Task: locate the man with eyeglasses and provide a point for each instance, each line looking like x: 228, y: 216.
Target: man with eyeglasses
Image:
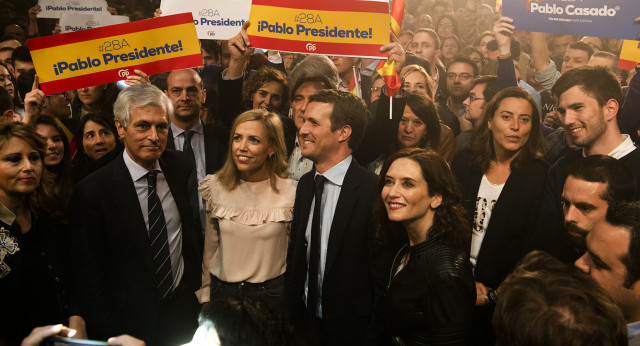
x: 204, y: 143
x: 460, y: 76
x: 483, y: 90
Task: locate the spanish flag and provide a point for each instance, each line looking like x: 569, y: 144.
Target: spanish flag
x: 354, y: 85
x: 629, y: 55
x: 387, y: 70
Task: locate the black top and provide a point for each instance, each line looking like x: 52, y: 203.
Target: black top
x: 430, y: 301
x: 34, y: 293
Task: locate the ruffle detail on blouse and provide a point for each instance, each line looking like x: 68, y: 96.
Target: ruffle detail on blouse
x: 214, y: 209
x: 249, y: 217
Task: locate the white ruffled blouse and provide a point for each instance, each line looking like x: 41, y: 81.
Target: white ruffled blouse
x: 247, y: 231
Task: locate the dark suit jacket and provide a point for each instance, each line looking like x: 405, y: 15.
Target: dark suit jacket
x: 512, y: 219
x: 216, y: 139
x: 355, y: 270
x: 113, y: 265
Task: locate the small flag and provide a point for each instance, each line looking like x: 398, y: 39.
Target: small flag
x: 397, y: 11
x: 392, y: 81
x: 629, y: 55
x: 354, y: 85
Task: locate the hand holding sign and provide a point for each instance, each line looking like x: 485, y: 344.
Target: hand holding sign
x: 240, y: 50
x: 33, y: 103
x: 138, y: 78
x: 503, y: 29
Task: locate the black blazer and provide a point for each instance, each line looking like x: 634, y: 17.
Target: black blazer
x: 113, y: 264
x: 512, y: 219
x: 355, y: 271
x: 216, y: 142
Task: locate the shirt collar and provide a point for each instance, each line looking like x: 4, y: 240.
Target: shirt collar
x: 336, y: 173
x: 621, y: 150
x: 633, y: 329
x: 136, y: 171
x: 197, y: 128
x: 6, y: 215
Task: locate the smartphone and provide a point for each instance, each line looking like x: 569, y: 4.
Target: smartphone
x: 61, y: 341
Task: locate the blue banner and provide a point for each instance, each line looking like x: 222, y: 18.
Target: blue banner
x: 610, y: 18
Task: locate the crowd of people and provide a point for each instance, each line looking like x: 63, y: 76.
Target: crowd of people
x: 273, y: 198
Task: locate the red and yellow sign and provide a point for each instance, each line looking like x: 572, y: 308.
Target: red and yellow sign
x: 347, y: 27
x: 629, y: 55
x: 107, y: 54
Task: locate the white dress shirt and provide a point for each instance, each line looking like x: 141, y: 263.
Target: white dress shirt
x: 169, y: 207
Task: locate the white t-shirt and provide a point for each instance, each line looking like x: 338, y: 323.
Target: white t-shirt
x: 488, y: 194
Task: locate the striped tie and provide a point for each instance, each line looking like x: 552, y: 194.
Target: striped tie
x: 158, y: 239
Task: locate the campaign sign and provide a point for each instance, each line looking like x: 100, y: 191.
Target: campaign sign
x: 214, y: 20
x: 611, y: 18
x: 75, y: 22
x: 56, y: 8
x: 103, y: 55
x: 347, y: 27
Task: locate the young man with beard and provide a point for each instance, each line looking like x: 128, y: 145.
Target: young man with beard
x: 588, y: 103
x: 595, y: 184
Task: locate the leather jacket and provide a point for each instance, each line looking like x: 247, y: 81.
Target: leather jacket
x: 430, y: 300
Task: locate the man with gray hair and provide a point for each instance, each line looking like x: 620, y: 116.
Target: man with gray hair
x: 137, y: 258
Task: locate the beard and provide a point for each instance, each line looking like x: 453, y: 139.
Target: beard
x: 576, y: 236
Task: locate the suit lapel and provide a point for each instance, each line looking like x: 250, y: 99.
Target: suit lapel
x: 128, y: 205
x: 346, y: 202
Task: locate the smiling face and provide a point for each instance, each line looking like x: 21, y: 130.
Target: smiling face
x: 146, y: 136
x: 583, y: 207
x: 574, y: 58
x: 411, y: 129
x: 318, y: 143
x: 268, y: 96
x: 301, y: 100
x: 581, y: 116
x: 55, y: 146
x: 250, y: 149
x: 511, y: 125
x: 97, y: 140
x: 20, y: 169
x: 406, y: 194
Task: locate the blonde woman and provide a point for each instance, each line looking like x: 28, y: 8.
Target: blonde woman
x: 249, y: 205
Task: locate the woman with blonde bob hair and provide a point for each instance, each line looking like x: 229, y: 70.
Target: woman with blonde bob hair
x: 249, y: 206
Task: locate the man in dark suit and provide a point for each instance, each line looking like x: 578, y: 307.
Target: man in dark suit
x: 135, y: 238
x: 335, y: 273
x: 204, y: 144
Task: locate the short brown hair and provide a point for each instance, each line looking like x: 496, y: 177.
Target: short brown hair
x: 546, y: 302
x: 348, y: 110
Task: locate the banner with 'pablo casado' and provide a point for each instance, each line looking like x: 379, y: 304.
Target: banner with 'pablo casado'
x: 347, y: 27
x: 107, y: 54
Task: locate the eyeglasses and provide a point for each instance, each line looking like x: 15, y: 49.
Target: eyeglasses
x: 445, y: 25
x: 376, y: 89
x: 474, y: 98
x: 462, y: 76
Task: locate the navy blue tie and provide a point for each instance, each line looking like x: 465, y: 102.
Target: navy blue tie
x: 158, y: 238
x: 314, y: 255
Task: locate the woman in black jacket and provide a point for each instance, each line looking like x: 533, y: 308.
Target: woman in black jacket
x: 502, y: 177
x: 430, y: 295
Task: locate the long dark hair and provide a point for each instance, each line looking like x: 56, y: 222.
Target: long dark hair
x: 423, y: 107
x: 482, y: 137
x: 99, y: 118
x: 449, y: 222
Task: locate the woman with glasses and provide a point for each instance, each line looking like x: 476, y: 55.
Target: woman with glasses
x: 446, y: 26
x: 502, y: 177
